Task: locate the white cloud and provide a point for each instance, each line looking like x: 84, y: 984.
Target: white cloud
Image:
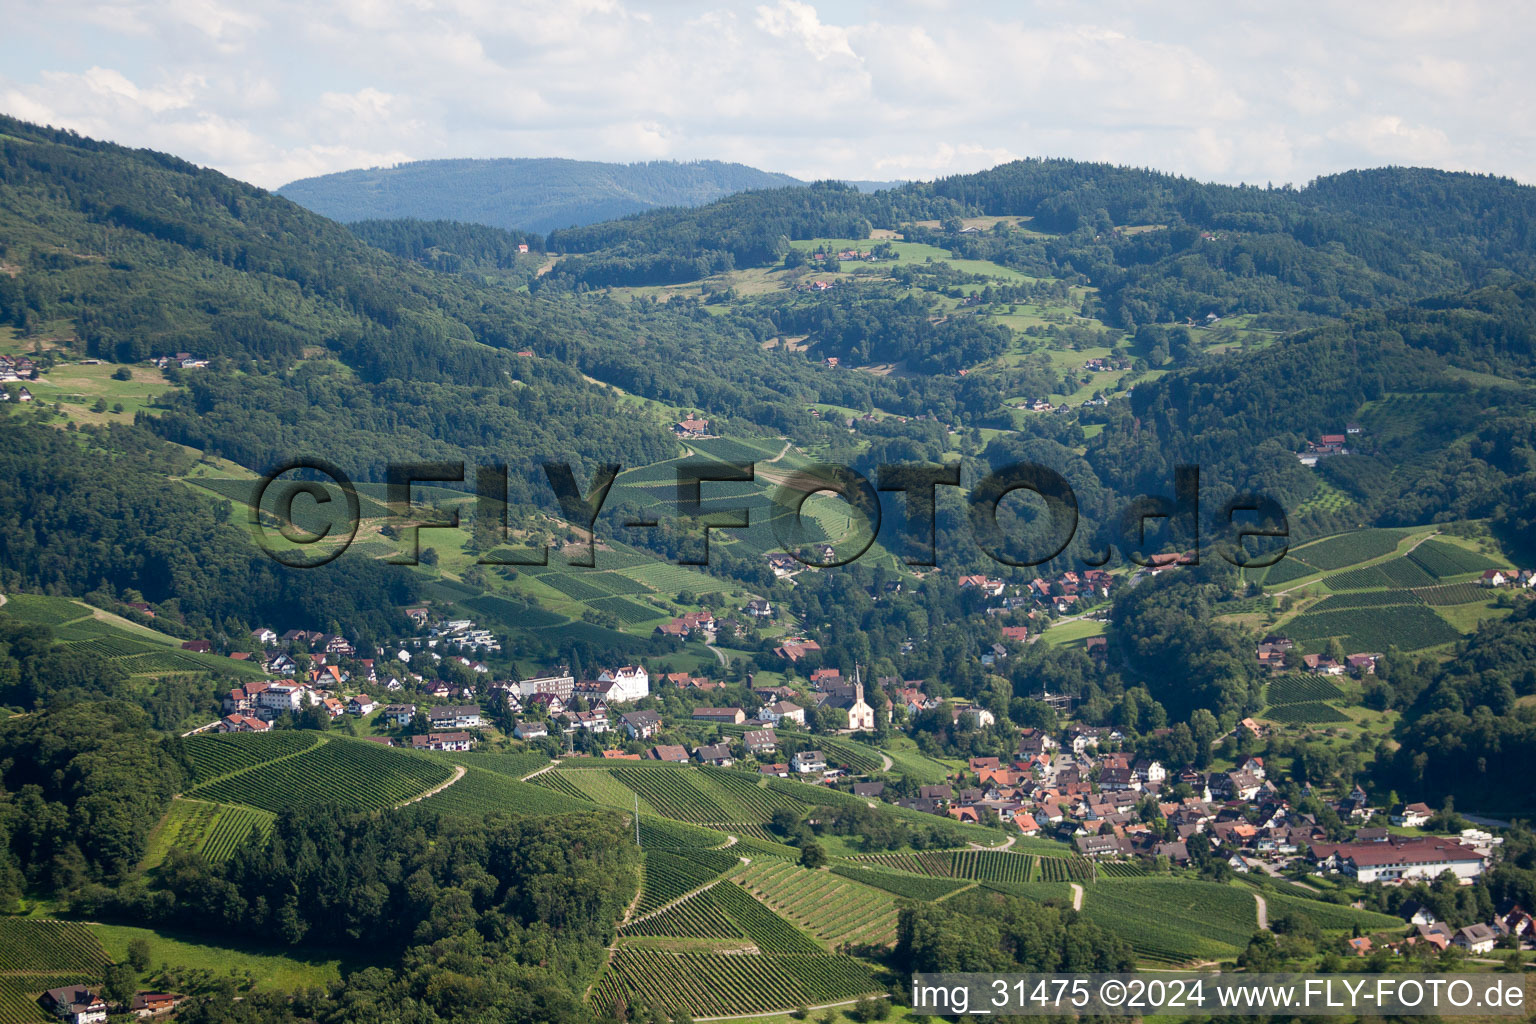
x: 916, y: 88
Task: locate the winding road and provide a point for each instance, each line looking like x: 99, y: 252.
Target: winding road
x: 458, y: 773
x: 1263, y: 912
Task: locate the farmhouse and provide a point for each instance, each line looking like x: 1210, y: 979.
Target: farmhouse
x: 75, y: 1003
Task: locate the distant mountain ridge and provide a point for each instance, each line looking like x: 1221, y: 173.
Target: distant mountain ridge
x: 527, y: 194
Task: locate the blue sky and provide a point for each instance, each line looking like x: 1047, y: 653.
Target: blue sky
x: 1255, y: 92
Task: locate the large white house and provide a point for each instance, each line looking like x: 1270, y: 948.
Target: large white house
x: 630, y: 683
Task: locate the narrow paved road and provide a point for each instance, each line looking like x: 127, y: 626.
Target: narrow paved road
x: 1263, y: 912
x: 885, y: 762
x: 1077, y: 896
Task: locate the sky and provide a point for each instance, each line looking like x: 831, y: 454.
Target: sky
x: 1231, y: 92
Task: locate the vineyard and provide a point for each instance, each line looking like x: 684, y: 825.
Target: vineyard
x: 1406, y: 627
x: 1066, y: 869
x: 1442, y: 559
x: 1452, y: 593
x: 1175, y: 920
x: 1349, y: 548
x: 215, y: 755
x: 723, y: 911
x: 481, y: 792
x: 993, y: 866
x: 213, y: 830
x: 44, y: 611
x: 1308, y: 713
x: 1366, y: 599
x: 1330, y: 916
x: 1121, y: 869
x: 660, y: 833
x: 834, y: 909
x: 668, y: 876
x: 357, y: 775
x: 33, y: 944
x: 1295, y: 689
x: 718, y: 984
x: 912, y: 887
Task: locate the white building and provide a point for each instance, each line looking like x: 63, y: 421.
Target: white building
x: 630, y: 683
x: 809, y: 761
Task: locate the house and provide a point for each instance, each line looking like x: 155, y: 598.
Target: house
x: 780, y: 770
x: 809, y: 761
x: 197, y: 646
x: 1095, y: 847
x: 75, y: 1003
x: 530, y: 729
x: 725, y: 716
x: 641, y: 725
x: 265, y: 637
x: 333, y: 707
x: 1360, y: 945
x: 153, y: 1004
x: 1415, y: 912
x: 443, y: 741
x: 1322, y: 665
x: 1494, y: 578
x: 630, y: 683
x: 869, y: 790
x: 672, y: 754
x: 691, y: 427
x: 759, y: 608
x: 455, y: 716
x: 399, y: 714
x: 361, y: 705
x: 794, y: 650
x: 781, y: 710
x: 1476, y: 938
x: 242, y: 723
x: 717, y: 754
x: 760, y: 741
x: 1412, y: 815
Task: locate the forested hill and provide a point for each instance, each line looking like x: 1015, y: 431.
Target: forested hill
x: 1157, y: 248
x: 536, y: 195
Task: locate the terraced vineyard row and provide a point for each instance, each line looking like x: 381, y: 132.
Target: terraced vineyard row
x: 696, y: 917
x: 1295, y: 689
x: 857, y: 758
x: 357, y: 775
x: 661, y: 833
x: 1407, y: 627
x: 908, y: 886
x: 1308, y: 713
x: 721, y: 984
x: 1121, y: 869
x: 1350, y: 548
x: 993, y: 865
x: 213, y: 830
x: 1441, y: 559
x: 835, y: 910
x: 666, y: 876
x: 213, y: 755
x: 918, y: 863
x: 34, y: 944
x: 1175, y: 919
x: 481, y: 792
x: 1066, y: 869
x: 1452, y: 593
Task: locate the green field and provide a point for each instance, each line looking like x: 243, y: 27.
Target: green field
x: 715, y: 984
x: 834, y: 909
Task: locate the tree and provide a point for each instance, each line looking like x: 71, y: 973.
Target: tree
x: 119, y: 983
x: 812, y: 855
x: 138, y: 955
